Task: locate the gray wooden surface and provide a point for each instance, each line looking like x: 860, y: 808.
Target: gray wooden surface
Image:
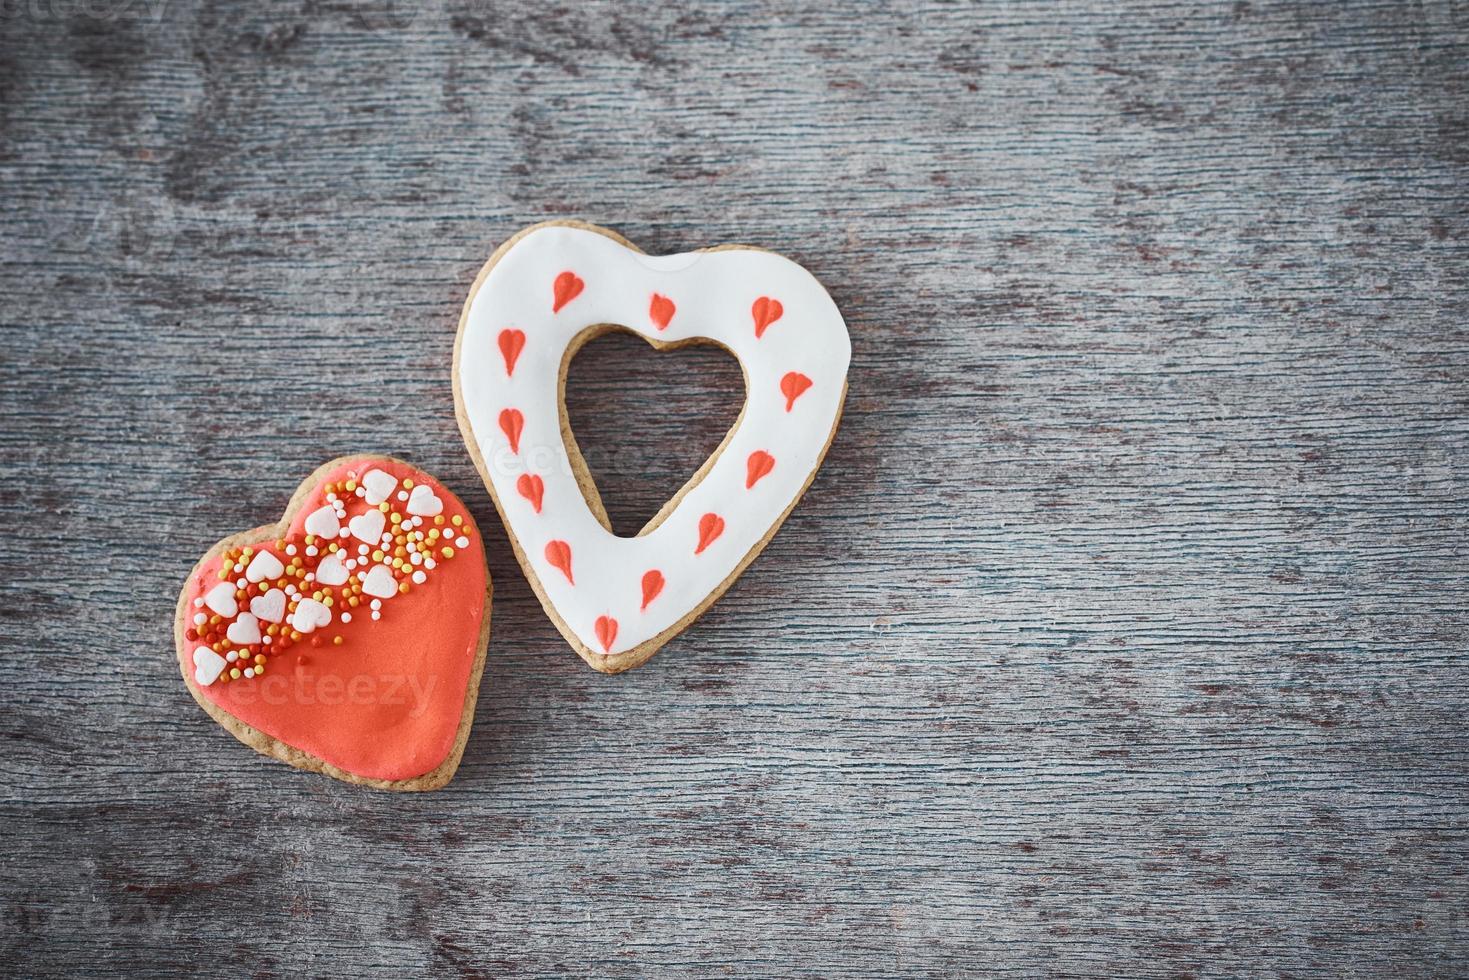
x: 1123, y: 632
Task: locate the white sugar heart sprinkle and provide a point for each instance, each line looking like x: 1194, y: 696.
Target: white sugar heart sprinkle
x: 331, y: 571
x: 270, y: 607
x: 245, y: 630
x: 378, y: 485
x: 423, y: 502
x: 309, y: 615
x: 368, y: 527
x: 221, y: 599
x: 263, y: 566
x: 207, y: 665
x: 380, y: 582
x: 323, y: 522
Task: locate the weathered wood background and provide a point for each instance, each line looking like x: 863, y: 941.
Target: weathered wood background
x: 1123, y: 633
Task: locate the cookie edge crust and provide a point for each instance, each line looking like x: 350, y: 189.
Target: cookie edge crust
x: 268, y: 745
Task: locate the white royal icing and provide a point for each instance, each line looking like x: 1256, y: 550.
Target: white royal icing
x: 377, y: 485
x: 323, y: 522
x: 331, y: 571
x: 244, y: 631
x: 270, y: 607
x: 263, y: 566
x: 379, y: 582
x: 720, y: 296
x: 221, y: 599
x: 207, y: 665
x: 309, y: 615
x: 368, y: 526
x: 423, y: 502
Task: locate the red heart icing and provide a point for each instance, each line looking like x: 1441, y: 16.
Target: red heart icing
x: 389, y: 703
x: 512, y: 342
x: 512, y: 423
x: 793, y: 386
x: 758, y: 465
x: 660, y: 310
x: 711, y: 526
x: 606, y: 628
x: 567, y: 287
x: 765, y: 311
x: 558, y: 553
x: 532, y: 488
x: 652, y: 585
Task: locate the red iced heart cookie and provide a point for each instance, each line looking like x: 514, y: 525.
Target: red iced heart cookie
x: 349, y: 638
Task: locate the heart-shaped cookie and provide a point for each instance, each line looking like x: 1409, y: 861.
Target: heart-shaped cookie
x: 551, y: 289
x: 358, y: 658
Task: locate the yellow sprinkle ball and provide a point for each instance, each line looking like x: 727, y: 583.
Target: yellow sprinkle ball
x: 456, y: 520
x: 447, y: 552
x: 407, y: 484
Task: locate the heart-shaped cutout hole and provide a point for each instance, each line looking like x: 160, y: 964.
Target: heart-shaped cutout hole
x: 646, y: 424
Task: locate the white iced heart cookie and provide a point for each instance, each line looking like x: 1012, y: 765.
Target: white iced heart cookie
x: 541, y: 296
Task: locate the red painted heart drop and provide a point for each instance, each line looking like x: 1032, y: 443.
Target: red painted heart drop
x: 558, y: 553
x: 793, y: 386
x: 765, y: 311
x: 568, y: 286
x: 512, y: 423
x: 758, y: 465
x: 532, y: 488
x: 606, y: 632
x: 652, y: 585
x: 711, y: 526
x: 661, y: 311
x: 512, y: 342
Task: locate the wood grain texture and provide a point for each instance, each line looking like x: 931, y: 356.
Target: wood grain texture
x: 1123, y: 632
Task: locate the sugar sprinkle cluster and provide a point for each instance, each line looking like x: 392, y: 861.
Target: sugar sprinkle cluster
x: 273, y: 596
